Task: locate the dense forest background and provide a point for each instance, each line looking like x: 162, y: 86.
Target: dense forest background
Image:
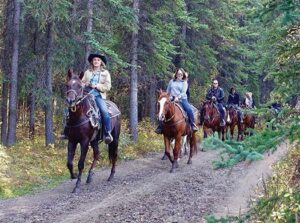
x: 252, y: 45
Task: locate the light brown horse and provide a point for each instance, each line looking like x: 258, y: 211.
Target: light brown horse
x: 248, y: 121
x: 175, y: 126
x: 232, y: 120
x: 212, y: 119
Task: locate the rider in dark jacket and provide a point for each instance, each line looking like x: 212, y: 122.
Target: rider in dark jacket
x: 234, y: 100
x: 216, y: 94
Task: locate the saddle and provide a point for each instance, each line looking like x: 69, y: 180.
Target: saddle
x: 94, y: 115
x: 184, y: 113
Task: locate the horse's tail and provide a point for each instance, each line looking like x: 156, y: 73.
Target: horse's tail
x: 113, y: 146
x: 194, y: 143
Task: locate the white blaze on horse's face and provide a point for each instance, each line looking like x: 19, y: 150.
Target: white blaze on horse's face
x: 161, y: 114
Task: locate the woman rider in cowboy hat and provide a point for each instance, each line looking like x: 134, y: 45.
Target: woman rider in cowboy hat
x: 98, y: 78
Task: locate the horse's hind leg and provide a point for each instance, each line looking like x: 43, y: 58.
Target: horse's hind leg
x: 84, y: 149
x: 113, y: 156
x: 95, y: 147
x: 71, y: 154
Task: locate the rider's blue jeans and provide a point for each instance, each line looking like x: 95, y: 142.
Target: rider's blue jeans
x: 221, y: 110
x: 187, y: 107
x: 104, y: 113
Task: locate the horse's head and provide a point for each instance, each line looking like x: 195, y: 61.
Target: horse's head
x: 208, y: 110
x: 163, y: 103
x: 74, y: 88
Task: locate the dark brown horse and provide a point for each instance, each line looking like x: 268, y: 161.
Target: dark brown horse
x: 81, y: 130
x: 232, y: 121
x: 175, y: 126
x: 212, y: 119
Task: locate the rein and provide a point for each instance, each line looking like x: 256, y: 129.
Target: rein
x: 168, y: 120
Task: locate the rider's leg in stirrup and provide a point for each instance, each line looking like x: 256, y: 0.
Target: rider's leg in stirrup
x: 159, y: 129
x: 106, y: 119
x: 222, y: 112
x: 186, y: 106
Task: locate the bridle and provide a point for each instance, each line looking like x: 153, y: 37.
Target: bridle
x: 211, y: 117
x: 79, y: 97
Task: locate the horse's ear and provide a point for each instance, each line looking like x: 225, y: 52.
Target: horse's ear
x: 70, y: 73
x: 159, y: 92
x: 81, y: 75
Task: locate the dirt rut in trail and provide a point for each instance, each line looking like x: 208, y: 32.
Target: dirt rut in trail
x: 144, y: 191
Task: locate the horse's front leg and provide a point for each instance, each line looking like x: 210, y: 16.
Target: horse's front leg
x: 84, y: 149
x: 71, y: 154
x: 96, y: 152
x: 176, y: 152
x: 167, y: 148
x: 205, y: 131
x: 231, y: 131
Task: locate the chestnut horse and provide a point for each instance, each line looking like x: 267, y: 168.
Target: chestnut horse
x: 248, y: 120
x: 81, y: 130
x: 212, y: 119
x: 232, y: 120
x: 175, y: 126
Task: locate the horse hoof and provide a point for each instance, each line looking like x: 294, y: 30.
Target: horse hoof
x: 76, y: 190
x: 189, y: 162
x: 110, y: 177
x: 172, y: 170
x: 164, y: 157
x: 90, y: 177
x: 74, y: 176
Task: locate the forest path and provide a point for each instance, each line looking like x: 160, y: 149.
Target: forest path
x: 144, y: 191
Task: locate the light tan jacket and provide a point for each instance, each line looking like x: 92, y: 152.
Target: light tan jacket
x: 104, y: 84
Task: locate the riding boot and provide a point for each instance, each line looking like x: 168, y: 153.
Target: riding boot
x: 65, y: 133
x: 194, y: 127
x: 159, y: 129
x: 108, y: 138
x: 222, y: 122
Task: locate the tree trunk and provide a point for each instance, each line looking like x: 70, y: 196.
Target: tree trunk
x: 89, y: 28
x: 152, y: 98
x: 78, y: 62
x: 5, y: 61
x: 134, y: 77
x: 12, y: 122
x: 48, y: 104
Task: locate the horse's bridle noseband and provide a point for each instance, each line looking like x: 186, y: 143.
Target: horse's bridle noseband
x: 78, y: 98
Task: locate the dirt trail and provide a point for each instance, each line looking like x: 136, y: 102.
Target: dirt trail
x: 144, y: 191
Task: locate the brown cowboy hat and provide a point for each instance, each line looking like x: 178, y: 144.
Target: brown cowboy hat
x: 93, y: 55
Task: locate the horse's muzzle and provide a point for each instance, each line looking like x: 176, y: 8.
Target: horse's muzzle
x: 70, y: 102
x: 162, y: 117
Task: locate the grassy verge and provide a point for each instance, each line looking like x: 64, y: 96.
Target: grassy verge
x: 29, y: 167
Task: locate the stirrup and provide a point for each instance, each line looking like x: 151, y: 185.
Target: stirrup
x: 108, y: 138
x: 63, y: 137
x: 158, y: 130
